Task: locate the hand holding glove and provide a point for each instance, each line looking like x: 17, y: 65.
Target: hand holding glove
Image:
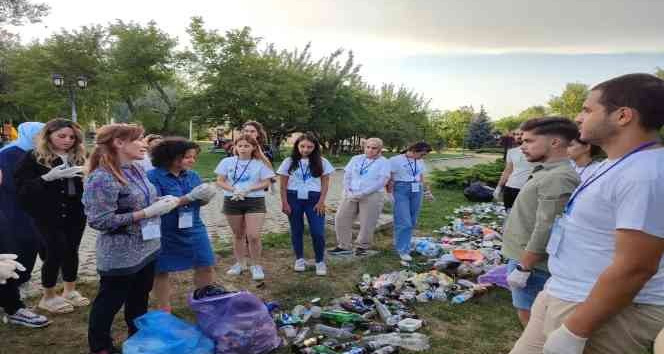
x: 8, y: 267
x: 61, y: 171
x: 239, y: 194
x: 563, y: 341
x: 162, y: 206
x: 204, y: 192
x: 518, y: 279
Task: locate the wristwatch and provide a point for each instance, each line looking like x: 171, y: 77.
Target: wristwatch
x: 521, y: 268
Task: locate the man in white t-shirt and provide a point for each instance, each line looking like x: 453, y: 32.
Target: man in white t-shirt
x: 364, y: 181
x: 516, y: 172
x: 606, y: 291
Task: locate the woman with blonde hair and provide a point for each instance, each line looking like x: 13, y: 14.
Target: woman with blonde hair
x: 244, y: 178
x: 50, y: 186
x: 124, y: 206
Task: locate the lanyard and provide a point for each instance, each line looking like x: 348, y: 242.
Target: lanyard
x: 592, y: 178
x: 413, y: 169
x: 142, y: 186
x: 235, y: 180
x: 365, y: 169
x: 305, y: 175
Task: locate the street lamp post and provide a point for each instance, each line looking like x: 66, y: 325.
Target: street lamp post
x: 81, y: 83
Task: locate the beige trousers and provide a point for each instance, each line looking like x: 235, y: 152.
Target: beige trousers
x: 368, y: 211
x: 632, y: 331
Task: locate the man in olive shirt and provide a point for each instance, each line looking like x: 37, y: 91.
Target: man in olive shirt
x: 539, y: 202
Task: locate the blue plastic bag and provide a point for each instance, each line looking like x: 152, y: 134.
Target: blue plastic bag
x: 162, y: 333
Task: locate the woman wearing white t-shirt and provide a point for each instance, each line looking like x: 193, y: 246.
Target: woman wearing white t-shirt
x: 407, y: 186
x: 584, y: 157
x: 305, y: 180
x: 364, y: 180
x: 244, y: 178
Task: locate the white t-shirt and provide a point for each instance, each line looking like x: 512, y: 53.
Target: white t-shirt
x: 587, y: 170
x: 403, y: 168
x: 301, y: 178
x: 521, y: 168
x: 629, y: 196
x: 365, y: 176
x: 244, y: 174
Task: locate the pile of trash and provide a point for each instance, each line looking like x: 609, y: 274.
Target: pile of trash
x: 464, y: 261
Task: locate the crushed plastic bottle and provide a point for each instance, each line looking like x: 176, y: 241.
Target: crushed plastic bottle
x: 463, y: 297
x: 410, y: 341
x: 385, y: 313
x: 331, y: 332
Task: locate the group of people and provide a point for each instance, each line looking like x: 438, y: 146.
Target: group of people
x: 143, y: 197
x: 584, y: 237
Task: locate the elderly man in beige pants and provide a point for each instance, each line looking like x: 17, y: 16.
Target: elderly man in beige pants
x: 364, y: 180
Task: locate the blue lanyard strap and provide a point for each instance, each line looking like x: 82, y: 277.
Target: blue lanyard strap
x: 305, y: 175
x: 365, y: 169
x: 413, y: 169
x: 592, y: 178
x: 235, y: 177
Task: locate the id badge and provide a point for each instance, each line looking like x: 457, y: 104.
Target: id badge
x: 303, y: 193
x: 557, y: 234
x: 415, y: 187
x: 185, y: 219
x: 151, y: 228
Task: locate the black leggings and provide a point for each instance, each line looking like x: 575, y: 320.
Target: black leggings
x: 132, y: 291
x: 60, y: 250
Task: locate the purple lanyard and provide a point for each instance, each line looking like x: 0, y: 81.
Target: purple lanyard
x: 365, y: 169
x: 135, y: 179
x: 590, y: 180
x: 413, y: 169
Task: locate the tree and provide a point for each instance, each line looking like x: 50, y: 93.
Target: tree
x: 570, y: 102
x: 16, y: 12
x: 510, y: 123
x: 480, y: 131
x: 452, y: 126
x: 660, y: 73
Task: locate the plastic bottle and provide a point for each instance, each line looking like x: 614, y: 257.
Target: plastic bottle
x: 321, y: 349
x: 463, y: 297
x: 387, y: 350
x: 301, y: 335
x: 409, y: 341
x: 289, y: 331
x: 339, y: 317
x: 356, y: 351
x: 332, y: 332
x: 385, y: 314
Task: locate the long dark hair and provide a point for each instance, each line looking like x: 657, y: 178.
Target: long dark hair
x: 315, y: 159
x: 262, y: 135
x: 170, y: 150
x: 420, y: 146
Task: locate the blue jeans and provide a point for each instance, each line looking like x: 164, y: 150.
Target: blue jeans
x: 300, y: 207
x: 406, y: 208
x: 523, y: 299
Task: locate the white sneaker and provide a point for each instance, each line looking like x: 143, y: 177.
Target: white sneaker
x: 25, y: 317
x: 406, y: 257
x: 257, y: 272
x: 236, y: 269
x: 300, y: 265
x: 321, y: 269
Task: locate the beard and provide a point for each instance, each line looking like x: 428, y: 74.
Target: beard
x: 600, y: 132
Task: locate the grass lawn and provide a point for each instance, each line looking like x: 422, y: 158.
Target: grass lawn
x: 486, y: 324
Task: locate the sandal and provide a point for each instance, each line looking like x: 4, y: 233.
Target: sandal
x: 75, y: 299
x: 56, y: 305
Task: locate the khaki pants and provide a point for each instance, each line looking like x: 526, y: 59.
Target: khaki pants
x: 368, y: 210
x: 632, y: 331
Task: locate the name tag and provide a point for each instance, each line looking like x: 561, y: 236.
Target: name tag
x: 557, y: 234
x: 415, y: 187
x: 185, y: 219
x: 151, y: 228
x: 303, y: 193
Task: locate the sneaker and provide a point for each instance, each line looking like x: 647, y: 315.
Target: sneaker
x: 321, y: 268
x: 236, y: 269
x: 257, y: 272
x: 338, y: 251
x: 361, y: 252
x: 25, y: 317
x: 406, y: 257
x: 300, y: 265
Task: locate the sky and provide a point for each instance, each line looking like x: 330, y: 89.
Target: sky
x: 506, y: 55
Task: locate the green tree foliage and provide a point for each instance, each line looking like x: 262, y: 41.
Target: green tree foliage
x: 452, y: 126
x: 480, y: 131
x: 510, y: 123
x: 570, y: 102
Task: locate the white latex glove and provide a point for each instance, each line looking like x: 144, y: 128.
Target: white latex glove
x: 239, y: 194
x: 162, y: 206
x: 563, y: 341
x: 203, y: 192
x: 8, y: 267
x: 497, y: 193
x: 517, y: 279
x: 61, y: 171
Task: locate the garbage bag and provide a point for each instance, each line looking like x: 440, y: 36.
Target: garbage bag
x: 497, y: 276
x: 162, y: 333
x: 239, y: 323
x: 478, y: 192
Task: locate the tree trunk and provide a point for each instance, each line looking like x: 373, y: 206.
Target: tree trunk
x: 168, y: 116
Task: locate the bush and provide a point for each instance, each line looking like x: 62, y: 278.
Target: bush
x: 488, y: 173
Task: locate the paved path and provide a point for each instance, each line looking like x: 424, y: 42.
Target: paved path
x: 275, y: 222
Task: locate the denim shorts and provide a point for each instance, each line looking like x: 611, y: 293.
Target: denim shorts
x: 523, y: 299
